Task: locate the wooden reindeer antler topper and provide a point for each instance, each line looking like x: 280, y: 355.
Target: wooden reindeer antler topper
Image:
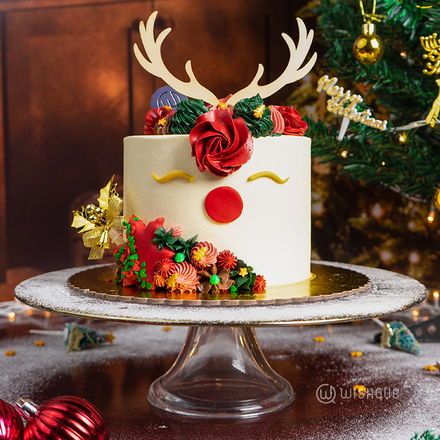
x: 194, y: 89
x: 292, y: 72
x: 157, y: 67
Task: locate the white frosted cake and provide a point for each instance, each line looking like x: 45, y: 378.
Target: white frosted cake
x: 216, y: 191
x: 272, y: 233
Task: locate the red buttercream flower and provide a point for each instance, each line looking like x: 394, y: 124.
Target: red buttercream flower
x: 154, y: 116
x: 226, y: 260
x: 165, y: 268
x: 220, y: 144
x: 294, y: 125
x: 260, y: 284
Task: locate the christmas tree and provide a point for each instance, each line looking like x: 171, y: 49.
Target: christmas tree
x: 400, y: 88
x: 375, y: 203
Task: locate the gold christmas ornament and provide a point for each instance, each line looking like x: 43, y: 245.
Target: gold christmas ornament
x: 368, y: 48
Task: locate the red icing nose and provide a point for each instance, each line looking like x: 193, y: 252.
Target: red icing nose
x: 224, y: 204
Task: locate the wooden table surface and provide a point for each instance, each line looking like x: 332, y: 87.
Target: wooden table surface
x: 402, y: 397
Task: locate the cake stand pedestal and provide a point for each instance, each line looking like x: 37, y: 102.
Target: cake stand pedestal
x: 221, y: 371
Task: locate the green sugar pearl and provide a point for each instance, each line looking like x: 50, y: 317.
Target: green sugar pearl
x: 214, y: 280
x: 179, y: 258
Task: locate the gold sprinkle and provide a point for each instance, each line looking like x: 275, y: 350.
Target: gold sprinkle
x: 167, y: 108
x: 39, y: 343
x: 199, y: 254
x: 222, y: 105
x: 356, y: 353
x: 319, y: 338
x: 171, y: 280
x: 360, y: 389
x: 243, y: 272
x: 167, y: 329
x: 430, y: 367
x: 258, y: 112
x: 10, y: 353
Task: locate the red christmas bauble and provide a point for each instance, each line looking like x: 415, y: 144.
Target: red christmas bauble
x: 63, y: 418
x: 11, y: 424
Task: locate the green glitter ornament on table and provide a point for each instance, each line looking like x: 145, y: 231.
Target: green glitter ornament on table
x: 78, y: 337
x: 427, y: 435
x: 396, y: 335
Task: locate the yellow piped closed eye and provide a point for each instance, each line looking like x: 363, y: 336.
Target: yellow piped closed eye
x: 269, y: 175
x: 172, y: 175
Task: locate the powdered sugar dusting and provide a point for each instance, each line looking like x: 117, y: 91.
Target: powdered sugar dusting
x: 389, y: 293
x: 292, y: 351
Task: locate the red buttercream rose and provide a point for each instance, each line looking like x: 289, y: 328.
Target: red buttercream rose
x: 154, y: 116
x: 293, y: 123
x: 220, y: 144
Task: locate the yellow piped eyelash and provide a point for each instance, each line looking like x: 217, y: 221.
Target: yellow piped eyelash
x: 173, y: 175
x: 269, y: 175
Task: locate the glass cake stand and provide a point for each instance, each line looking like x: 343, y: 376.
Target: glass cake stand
x: 221, y: 371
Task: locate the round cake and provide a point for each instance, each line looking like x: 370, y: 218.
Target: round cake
x: 216, y: 191
x: 261, y: 212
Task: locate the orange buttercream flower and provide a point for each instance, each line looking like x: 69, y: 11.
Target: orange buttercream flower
x: 203, y: 255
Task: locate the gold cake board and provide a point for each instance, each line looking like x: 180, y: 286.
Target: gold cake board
x: 326, y: 282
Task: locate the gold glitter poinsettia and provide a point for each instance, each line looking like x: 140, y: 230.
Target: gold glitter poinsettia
x: 96, y: 222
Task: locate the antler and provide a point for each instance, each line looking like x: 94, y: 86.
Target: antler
x: 157, y: 67
x: 292, y: 72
